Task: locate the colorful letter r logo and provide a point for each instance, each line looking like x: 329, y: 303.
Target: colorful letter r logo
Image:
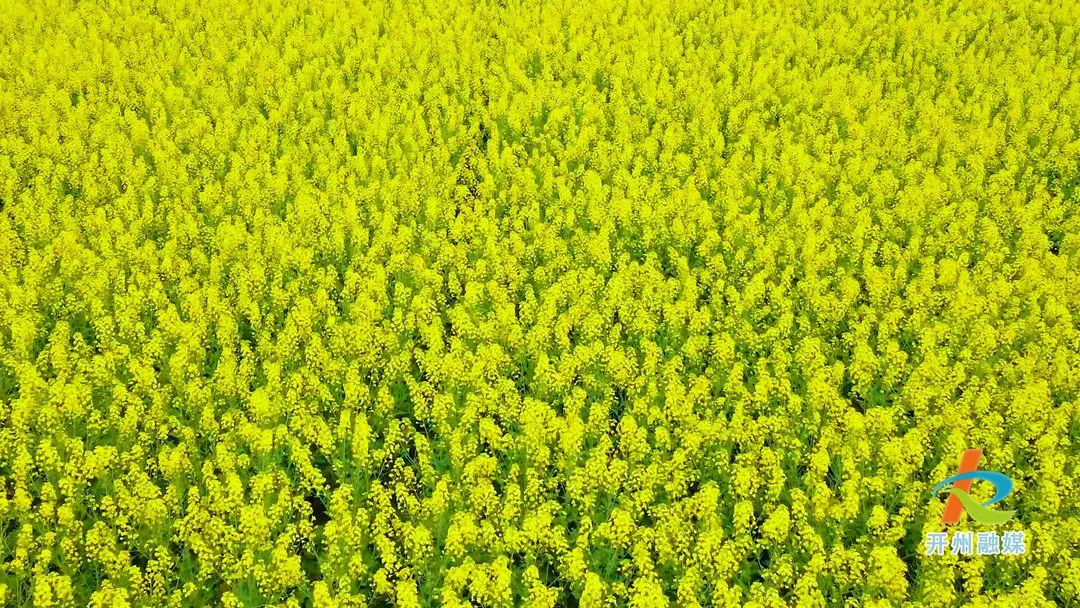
x: 960, y: 485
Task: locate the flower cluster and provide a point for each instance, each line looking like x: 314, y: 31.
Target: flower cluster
x: 495, y: 303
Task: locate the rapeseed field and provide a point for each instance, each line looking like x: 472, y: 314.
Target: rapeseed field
x: 500, y: 303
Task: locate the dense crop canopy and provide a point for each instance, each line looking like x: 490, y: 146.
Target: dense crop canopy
x: 518, y: 303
